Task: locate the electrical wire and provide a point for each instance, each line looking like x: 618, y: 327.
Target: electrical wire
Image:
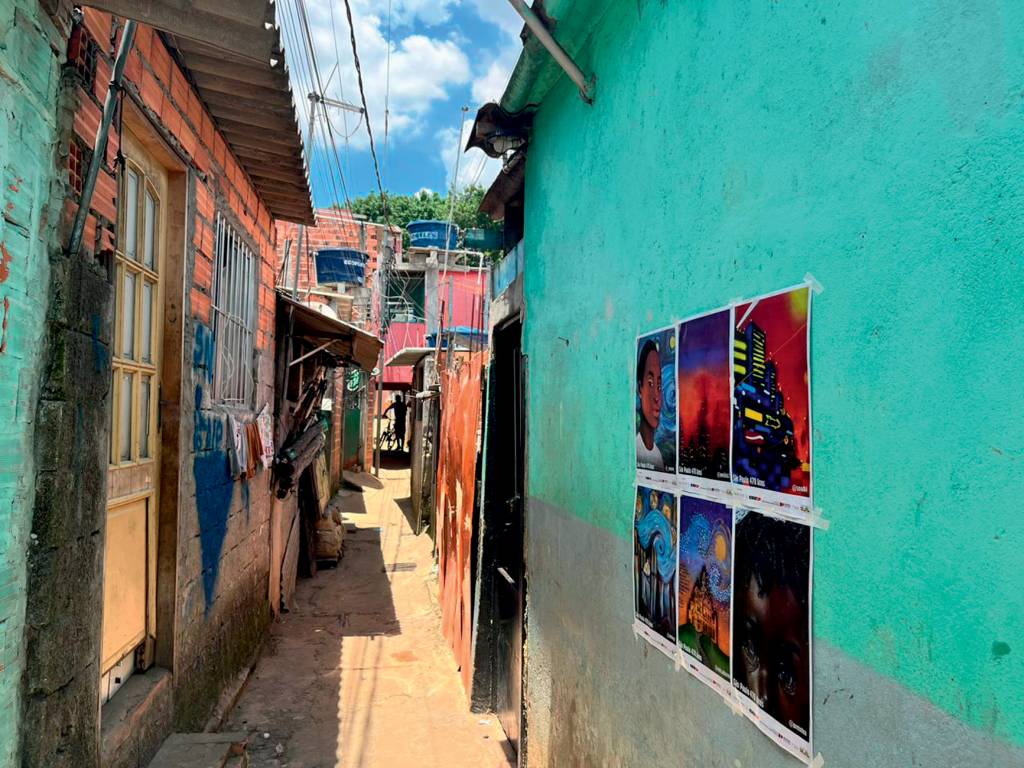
x: 362, y: 95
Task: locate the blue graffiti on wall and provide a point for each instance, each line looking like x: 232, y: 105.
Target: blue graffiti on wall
x: 214, y: 486
x: 210, y: 468
x: 208, y: 434
x: 100, y: 360
x: 204, y: 352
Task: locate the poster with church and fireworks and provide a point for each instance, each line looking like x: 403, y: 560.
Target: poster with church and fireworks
x: 771, y: 424
x: 704, y: 396
x: 654, y: 567
x: 705, y: 589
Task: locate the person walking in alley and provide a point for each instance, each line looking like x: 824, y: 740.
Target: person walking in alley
x: 400, y: 408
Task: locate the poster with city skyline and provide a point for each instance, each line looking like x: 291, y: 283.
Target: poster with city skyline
x: 655, y: 404
x: 654, y: 567
x: 771, y: 423
x: 705, y: 589
x: 704, y: 394
x: 771, y: 632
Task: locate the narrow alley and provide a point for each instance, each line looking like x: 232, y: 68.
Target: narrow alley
x: 358, y: 674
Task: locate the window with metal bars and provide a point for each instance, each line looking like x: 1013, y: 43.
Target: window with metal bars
x: 234, y: 316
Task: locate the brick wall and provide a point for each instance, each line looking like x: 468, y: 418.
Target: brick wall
x: 221, y: 561
x: 30, y: 46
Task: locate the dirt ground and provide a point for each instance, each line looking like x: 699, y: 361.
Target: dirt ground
x: 358, y: 673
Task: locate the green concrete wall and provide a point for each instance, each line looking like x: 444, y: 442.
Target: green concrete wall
x: 29, y: 80
x: 731, y: 149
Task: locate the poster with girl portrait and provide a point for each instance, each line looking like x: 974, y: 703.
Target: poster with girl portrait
x: 654, y: 567
x: 771, y: 634
x: 655, y: 404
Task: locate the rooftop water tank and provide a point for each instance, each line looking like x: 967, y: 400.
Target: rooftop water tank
x: 430, y: 234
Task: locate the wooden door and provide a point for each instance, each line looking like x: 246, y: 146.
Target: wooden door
x: 129, y: 566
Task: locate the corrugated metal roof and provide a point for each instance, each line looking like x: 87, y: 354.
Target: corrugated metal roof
x: 231, y: 50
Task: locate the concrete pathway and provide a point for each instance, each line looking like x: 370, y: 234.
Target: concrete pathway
x: 358, y: 673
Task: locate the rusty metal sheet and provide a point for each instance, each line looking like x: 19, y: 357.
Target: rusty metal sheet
x: 456, y: 483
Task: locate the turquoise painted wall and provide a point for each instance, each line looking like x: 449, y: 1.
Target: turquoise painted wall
x: 29, y: 79
x: 732, y: 148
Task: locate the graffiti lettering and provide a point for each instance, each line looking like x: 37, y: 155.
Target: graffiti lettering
x: 204, y: 351
x: 208, y: 434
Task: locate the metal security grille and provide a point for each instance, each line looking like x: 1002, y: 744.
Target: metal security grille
x: 234, y: 311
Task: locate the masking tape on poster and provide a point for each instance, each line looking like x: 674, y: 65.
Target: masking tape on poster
x: 818, y: 761
x: 813, y: 283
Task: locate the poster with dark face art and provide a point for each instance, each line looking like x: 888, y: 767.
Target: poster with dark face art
x: 656, y: 403
x: 654, y: 567
x: 771, y: 642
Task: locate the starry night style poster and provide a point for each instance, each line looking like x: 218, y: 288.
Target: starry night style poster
x: 705, y: 588
x: 771, y: 430
x: 654, y: 566
x: 655, y: 402
x: 704, y: 393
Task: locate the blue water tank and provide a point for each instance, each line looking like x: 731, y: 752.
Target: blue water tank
x: 430, y: 234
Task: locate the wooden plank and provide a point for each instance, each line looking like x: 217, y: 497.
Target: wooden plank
x: 288, y: 178
x: 259, y: 138
x: 253, y: 74
x: 250, y: 40
x: 278, y: 105
x: 267, y: 120
x: 236, y: 89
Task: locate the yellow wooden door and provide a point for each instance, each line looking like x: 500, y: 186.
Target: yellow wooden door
x: 129, y: 566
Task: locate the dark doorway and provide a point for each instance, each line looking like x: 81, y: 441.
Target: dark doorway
x: 508, y: 578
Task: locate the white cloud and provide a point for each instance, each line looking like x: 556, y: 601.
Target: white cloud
x: 423, y: 69
x: 428, y: 66
x: 474, y: 166
x: 501, y: 14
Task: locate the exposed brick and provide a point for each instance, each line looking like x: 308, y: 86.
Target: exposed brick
x: 200, y: 305
x: 98, y: 24
x: 143, y: 40
x: 151, y: 91
x: 206, y: 131
x: 160, y: 61
x: 179, y: 89
x: 105, y: 196
x: 188, y: 140
x: 87, y: 118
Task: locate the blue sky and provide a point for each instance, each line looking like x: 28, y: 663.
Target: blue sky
x: 444, y: 54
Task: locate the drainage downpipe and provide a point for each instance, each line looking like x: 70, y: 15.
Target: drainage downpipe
x: 558, y: 53
x: 102, y: 133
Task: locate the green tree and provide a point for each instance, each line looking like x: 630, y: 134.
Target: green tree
x: 426, y: 205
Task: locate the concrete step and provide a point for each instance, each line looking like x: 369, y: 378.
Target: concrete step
x: 202, y: 750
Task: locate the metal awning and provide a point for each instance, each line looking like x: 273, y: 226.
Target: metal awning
x: 344, y: 343
x: 231, y: 51
x: 409, y: 356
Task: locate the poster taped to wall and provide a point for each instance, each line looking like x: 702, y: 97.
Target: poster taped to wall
x: 771, y: 424
x: 705, y: 590
x: 771, y: 634
x: 655, y: 405
x: 654, y: 567
x: 704, y: 395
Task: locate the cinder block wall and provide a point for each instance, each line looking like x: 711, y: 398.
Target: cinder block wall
x: 221, y: 561
x: 31, y: 47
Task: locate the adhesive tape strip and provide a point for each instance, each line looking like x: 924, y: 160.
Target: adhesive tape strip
x: 818, y: 521
x: 734, y: 705
x: 818, y: 761
x: 812, y: 281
